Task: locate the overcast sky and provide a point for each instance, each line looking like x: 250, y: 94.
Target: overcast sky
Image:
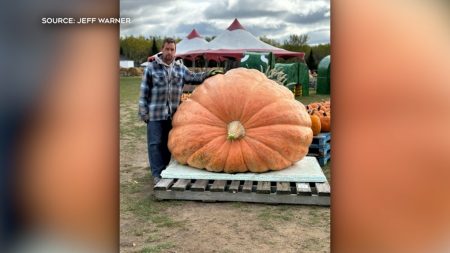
x: 273, y: 19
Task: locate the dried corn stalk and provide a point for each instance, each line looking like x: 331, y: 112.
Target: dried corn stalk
x: 277, y: 75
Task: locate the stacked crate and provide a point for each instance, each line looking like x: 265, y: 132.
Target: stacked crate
x: 321, y: 148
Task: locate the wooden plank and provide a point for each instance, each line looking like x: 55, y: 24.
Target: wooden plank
x: 303, y: 189
x: 163, y: 184
x: 323, y: 189
x: 181, y: 184
x: 247, y: 186
x: 263, y: 187
x: 199, y: 185
x: 218, y: 186
x: 253, y: 197
x: 283, y: 188
x: 323, y: 147
x: 234, y: 186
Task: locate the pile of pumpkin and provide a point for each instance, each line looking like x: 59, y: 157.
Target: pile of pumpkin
x: 320, y: 113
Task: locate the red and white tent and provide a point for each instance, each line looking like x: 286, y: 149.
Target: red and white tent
x: 192, y: 42
x: 232, y: 43
x: 236, y: 37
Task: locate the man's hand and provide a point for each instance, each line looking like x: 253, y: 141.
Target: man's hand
x: 145, y: 118
x: 143, y: 114
x: 213, y: 72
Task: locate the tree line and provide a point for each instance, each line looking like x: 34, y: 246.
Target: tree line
x: 139, y: 48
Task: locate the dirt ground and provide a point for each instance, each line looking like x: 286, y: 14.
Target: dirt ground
x: 149, y: 225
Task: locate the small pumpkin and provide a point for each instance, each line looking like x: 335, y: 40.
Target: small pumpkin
x: 315, y: 123
x: 314, y: 105
x: 316, y: 112
x: 325, y: 122
x: 238, y: 122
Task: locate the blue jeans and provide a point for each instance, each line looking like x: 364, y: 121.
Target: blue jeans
x: 158, y: 152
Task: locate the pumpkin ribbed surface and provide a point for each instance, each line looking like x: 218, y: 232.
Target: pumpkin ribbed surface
x: 240, y: 122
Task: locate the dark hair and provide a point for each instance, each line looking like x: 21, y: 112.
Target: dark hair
x: 168, y: 41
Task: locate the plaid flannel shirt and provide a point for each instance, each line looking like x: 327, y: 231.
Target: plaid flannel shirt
x: 162, y: 86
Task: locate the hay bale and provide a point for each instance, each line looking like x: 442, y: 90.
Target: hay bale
x: 135, y: 72
x: 123, y: 72
x: 140, y: 71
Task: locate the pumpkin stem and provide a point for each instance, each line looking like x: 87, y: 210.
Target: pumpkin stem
x: 235, y: 130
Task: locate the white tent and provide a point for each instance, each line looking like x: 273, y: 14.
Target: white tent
x: 236, y: 37
x: 192, y: 42
x: 232, y: 43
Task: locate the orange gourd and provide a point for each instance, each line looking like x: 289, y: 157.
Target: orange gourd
x: 239, y: 122
x: 314, y: 105
x: 315, y: 123
x: 325, y: 121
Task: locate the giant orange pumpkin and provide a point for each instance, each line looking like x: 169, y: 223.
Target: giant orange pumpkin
x: 238, y: 122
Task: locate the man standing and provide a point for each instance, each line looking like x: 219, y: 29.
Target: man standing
x: 161, y: 89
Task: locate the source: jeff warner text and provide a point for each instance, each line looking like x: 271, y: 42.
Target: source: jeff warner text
x: 67, y: 20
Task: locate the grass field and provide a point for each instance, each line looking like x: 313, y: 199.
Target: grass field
x: 148, y: 225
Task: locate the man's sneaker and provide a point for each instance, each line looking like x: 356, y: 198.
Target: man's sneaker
x: 156, y: 180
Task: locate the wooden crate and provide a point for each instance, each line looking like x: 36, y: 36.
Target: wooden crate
x: 321, y: 151
x: 244, y: 191
x: 321, y: 139
x: 321, y: 148
x: 324, y: 160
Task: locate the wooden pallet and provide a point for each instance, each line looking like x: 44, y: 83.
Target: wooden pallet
x: 323, y: 154
x: 321, y: 139
x: 244, y: 191
x: 321, y: 148
x: 320, y: 151
x: 323, y: 160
